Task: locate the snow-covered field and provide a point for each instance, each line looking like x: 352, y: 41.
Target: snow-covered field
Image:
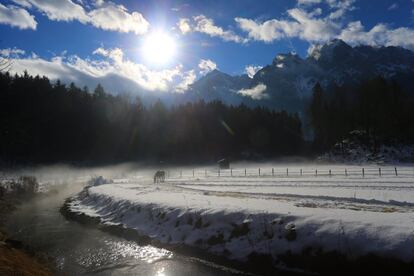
x: 237, y: 215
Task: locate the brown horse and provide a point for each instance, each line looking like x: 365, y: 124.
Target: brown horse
x: 159, y: 177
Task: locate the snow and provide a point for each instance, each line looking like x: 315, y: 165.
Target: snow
x: 236, y: 216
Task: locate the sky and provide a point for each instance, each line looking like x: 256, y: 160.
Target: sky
x: 161, y: 45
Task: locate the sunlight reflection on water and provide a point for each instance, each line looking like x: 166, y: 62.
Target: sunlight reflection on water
x: 122, y: 249
x: 145, y: 253
x: 80, y: 250
x: 160, y: 272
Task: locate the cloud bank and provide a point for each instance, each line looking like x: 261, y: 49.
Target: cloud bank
x: 203, y: 24
x: 105, y: 15
x: 17, y: 17
x: 307, y: 22
x: 113, y: 71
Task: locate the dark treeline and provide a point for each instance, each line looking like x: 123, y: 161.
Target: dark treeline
x: 378, y: 107
x: 41, y: 122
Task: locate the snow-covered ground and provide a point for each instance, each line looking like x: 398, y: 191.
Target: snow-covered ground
x: 235, y: 216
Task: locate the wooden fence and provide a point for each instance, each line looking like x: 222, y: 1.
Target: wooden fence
x: 294, y: 172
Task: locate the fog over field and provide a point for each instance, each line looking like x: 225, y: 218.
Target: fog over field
x: 225, y: 137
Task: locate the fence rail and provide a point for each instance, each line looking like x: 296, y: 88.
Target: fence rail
x: 290, y: 172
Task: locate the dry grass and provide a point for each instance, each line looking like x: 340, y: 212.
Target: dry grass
x: 389, y: 210
x: 17, y: 262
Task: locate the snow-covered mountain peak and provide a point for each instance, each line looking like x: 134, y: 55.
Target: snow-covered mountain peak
x: 287, y: 60
x: 215, y: 74
x: 289, y: 79
x: 334, y: 51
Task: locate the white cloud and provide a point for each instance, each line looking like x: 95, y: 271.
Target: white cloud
x: 104, y: 15
x: 313, y: 29
x: 180, y: 8
x: 310, y: 26
x: 268, y: 31
x: 17, y: 17
x: 315, y: 12
x: 341, y: 6
x: 114, y: 71
x: 203, y: 24
x: 206, y: 65
x: 304, y: 25
x: 251, y: 70
x: 379, y: 35
x: 207, y: 26
x: 59, y: 10
x: 188, y: 78
x: 98, y: 3
x: 114, y: 17
x: 394, y: 6
x: 115, y: 54
x: 315, y: 50
x: 23, y: 3
x: 340, y: 3
x: 148, y: 79
x: 184, y: 25
x: 256, y: 93
x: 11, y: 52
x: 308, y: 2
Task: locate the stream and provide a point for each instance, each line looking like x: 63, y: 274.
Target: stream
x: 84, y: 250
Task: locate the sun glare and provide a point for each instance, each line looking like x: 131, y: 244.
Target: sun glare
x: 159, y: 48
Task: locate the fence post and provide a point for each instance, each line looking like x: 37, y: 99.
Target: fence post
x: 193, y: 173
x: 395, y: 169
x: 231, y: 172
x: 300, y: 172
x: 259, y: 171
x: 245, y: 173
x: 287, y: 171
x: 273, y: 171
x: 363, y: 172
x: 316, y: 172
x: 330, y: 173
x: 346, y: 172
x: 379, y: 171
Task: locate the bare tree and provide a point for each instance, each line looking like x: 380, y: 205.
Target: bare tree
x: 5, y: 64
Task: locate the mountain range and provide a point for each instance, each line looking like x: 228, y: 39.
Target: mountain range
x: 287, y: 82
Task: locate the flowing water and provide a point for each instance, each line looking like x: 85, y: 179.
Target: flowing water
x: 85, y: 250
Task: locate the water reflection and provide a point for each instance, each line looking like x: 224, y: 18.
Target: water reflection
x: 145, y: 253
x: 161, y: 272
x: 80, y: 250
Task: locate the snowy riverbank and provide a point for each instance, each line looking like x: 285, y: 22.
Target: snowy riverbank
x: 239, y: 217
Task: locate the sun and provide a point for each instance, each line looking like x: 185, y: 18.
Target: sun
x: 159, y: 48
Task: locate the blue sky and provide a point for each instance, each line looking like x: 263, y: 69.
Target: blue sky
x: 87, y: 40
